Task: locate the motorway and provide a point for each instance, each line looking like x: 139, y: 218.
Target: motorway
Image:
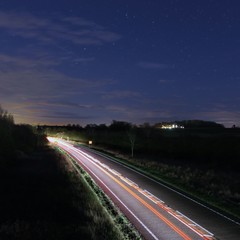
x: 157, y: 211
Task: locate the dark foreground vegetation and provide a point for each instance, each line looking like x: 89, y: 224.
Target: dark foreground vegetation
x: 202, y: 159
x: 42, y: 197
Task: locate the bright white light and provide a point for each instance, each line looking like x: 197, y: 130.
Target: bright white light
x: 171, y: 126
x: 51, y: 139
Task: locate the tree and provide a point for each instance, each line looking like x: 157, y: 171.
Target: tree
x: 120, y: 126
x: 132, y: 139
x: 6, y: 129
x: 25, y: 138
x: 147, y: 129
x: 6, y: 117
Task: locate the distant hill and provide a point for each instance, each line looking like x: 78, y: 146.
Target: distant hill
x: 192, y: 124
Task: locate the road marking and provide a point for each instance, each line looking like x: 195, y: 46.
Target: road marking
x: 162, y: 184
x: 198, y: 229
x: 159, y: 215
x: 176, y: 214
x: 146, y: 228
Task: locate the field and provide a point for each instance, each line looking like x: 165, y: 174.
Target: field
x: 204, y: 163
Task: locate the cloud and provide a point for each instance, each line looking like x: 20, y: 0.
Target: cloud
x: 66, y: 116
x: 47, y: 83
x: 24, y: 62
x: 31, y: 87
x: 153, y: 65
x: 35, y: 82
x: 121, y: 94
x: 39, y: 114
x: 14, y: 21
x: 137, y: 114
x: 82, y: 22
x: 62, y: 103
x: 32, y: 76
x: 225, y: 117
x: 49, y: 31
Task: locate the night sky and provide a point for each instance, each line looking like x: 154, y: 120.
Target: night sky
x: 94, y: 61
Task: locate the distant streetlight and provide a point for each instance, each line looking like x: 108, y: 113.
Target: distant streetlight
x: 90, y: 143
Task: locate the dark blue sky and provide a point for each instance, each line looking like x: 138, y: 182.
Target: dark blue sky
x: 138, y: 61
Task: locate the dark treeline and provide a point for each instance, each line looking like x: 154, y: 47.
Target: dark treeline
x: 122, y: 125
x: 200, y: 143
x: 16, y: 139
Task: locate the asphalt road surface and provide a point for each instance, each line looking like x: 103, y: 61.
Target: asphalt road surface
x: 157, y: 211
